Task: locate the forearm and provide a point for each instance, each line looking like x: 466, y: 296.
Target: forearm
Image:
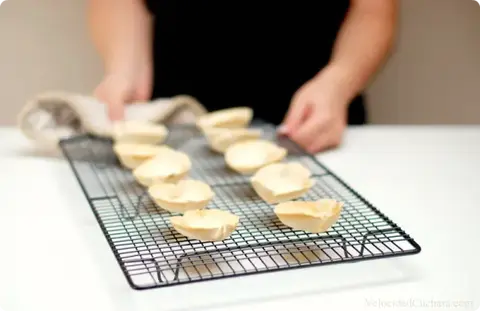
x: 121, y: 32
x: 363, y: 42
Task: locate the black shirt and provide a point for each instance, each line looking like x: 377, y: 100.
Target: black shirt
x: 244, y: 53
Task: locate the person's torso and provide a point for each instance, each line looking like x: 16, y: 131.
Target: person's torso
x: 241, y: 50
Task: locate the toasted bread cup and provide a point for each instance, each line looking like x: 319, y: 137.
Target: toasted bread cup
x: 219, y: 139
x: 246, y: 157
x: 206, y: 225
x: 238, y: 117
x: 281, y: 182
x: 182, y: 196
x: 310, y: 216
x: 168, y: 166
x: 132, y: 155
x: 141, y: 132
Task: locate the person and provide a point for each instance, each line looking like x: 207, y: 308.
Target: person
x: 301, y: 65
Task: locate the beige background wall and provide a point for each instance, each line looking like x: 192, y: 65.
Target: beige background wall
x: 433, y: 76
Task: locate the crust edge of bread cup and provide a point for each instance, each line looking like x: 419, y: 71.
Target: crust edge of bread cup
x: 143, y: 140
x: 173, y: 178
x: 220, y: 146
x: 236, y: 117
x: 149, y: 181
x: 205, y: 234
x: 143, y: 137
x: 308, y: 223
x: 277, y: 157
x: 269, y: 197
x: 131, y: 161
x: 181, y: 207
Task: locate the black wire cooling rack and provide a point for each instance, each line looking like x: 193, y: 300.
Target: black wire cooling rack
x: 152, y: 254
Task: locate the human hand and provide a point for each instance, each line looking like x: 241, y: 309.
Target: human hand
x: 119, y: 88
x: 317, y: 117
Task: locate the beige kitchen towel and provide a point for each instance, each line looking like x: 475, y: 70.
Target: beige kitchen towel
x: 55, y: 115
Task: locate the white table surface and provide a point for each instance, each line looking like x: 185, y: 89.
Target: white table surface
x: 425, y: 178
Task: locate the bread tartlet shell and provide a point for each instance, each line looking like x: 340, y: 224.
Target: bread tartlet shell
x: 246, y: 157
x: 219, y: 139
x: 132, y: 155
x: 168, y: 166
x: 309, y: 216
x: 236, y: 117
x: 185, y: 195
x: 206, y: 225
x: 279, y: 182
x: 142, y: 132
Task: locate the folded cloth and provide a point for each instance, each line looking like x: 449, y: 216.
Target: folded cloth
x: 51, y: 116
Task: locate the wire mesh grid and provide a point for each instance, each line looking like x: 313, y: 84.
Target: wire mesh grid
x: 152, y: 254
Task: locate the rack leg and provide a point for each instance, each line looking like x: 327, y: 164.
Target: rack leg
x: 373, y: 232
x: 124, y: 213
x: 136, y: 210
x: 344, y: 246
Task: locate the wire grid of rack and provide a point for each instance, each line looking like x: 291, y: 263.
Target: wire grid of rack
x: 152, y: 254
